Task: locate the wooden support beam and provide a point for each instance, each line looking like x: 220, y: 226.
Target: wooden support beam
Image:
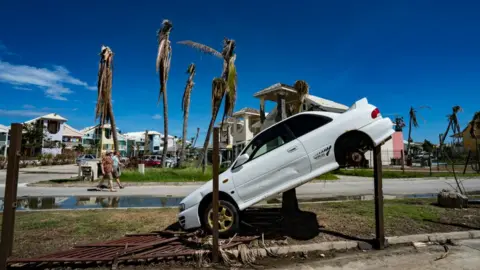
x: 10, y: 198
x: 378, y: 186
x: 215, y: 203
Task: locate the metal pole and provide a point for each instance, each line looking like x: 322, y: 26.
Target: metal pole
x: 10, y: 198
x: 377, y: 174
x: 215, y: 168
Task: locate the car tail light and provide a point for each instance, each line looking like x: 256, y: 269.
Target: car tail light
x: 375, y: 113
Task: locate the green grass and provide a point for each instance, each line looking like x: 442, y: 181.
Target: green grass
x: 400, y: 174
x: 167, y: 175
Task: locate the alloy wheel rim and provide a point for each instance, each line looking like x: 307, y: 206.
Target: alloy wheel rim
x: 225, y: 218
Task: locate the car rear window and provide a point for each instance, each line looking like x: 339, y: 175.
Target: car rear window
x: 304, y: 123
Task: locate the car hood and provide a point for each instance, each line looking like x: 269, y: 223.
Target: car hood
x: 197, y: 195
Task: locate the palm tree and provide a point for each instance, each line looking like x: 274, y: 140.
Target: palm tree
x: 185, y: 108
x: 302, y: 91
x: 229, y: 76
x: 413, y: 120
x: 104, y: 109
x: 452, y: 123
x: 163, y: 67
x: 194, y: 140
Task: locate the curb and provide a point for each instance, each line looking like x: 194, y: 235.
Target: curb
x: 349, y: 245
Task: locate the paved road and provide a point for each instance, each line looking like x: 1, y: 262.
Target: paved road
x: 32, y: 175
x: 347, y: 186
x: 464, y: 256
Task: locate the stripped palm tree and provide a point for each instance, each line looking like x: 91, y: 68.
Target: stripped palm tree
x: 164, y: 56
x: 452, y: 123
x: 413, y: 120
x: 104, y: 109
x: 302, y: 91
x: 185, y: 109
x: 229, y: 75
x: 194, y: 140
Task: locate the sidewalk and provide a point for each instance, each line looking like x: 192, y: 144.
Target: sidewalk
x: 344, y: 187
x: 466, y: 255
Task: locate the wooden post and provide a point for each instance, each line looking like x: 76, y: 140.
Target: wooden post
x: 377, y: 174
x: 10, y: 198
x: 262, y: 110
x: 215, y: 165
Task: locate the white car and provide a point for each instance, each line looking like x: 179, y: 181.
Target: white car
x: 284, y: 156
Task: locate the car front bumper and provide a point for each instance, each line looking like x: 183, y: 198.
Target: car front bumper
x: 189, y: 218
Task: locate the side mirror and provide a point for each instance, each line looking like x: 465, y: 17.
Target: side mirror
x: 241, y: 160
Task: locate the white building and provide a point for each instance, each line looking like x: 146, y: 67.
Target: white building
x: 155, y: 142
x: 4, y: 140
x: 53, y: 126
x: 93, y: 135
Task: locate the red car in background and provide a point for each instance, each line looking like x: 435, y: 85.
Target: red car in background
x: 153, y: 161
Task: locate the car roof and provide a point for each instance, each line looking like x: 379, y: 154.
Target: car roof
x: 322, y: 113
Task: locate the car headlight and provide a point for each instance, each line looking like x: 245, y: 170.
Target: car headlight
x: 182, y: 207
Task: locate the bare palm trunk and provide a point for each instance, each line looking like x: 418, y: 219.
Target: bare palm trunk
x: 184, y: 134
x: 409, y: 136
x: 165, y: 128
x: 445, y: 134
x: 196, y: 137
x: 113, y: 128
x: 203, y: 160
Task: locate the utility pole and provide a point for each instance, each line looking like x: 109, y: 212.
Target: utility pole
x: 215, y: 165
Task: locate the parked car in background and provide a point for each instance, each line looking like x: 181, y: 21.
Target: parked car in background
x: 284, y: 156
x: 83, y: 158
x: 153, y: 161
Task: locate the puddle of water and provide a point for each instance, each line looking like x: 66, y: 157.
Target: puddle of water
x: 44, y: 203
x: 74, y: 202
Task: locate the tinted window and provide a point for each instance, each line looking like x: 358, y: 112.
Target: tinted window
x: 304, y: 123
x: 268, y: 141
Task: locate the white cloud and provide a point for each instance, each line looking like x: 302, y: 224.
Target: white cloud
x: 50, y: 80
x: 157, y: 116
x: 21, y: 113
x: 22, y: 88
x: 75, y: 109
x: 28, y: 106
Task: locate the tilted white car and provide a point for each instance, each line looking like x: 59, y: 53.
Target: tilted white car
x: 285, y: 156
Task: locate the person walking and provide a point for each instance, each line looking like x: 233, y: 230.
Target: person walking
x: 107, y: 170
x: 116, y: 168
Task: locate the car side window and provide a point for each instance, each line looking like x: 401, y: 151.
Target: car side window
x: 304, y: 123
x: 268, y: 141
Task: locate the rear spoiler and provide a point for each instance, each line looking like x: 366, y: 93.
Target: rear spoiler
x: 359, y: 103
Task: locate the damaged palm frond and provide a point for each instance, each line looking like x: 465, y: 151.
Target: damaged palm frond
x: 104, y: 85
x: 231, y: 93
x: 164, y: 55
x: 203, y: 48
x: 302, y: 89
x: 219, y: 87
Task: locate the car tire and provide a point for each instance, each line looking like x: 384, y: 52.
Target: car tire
x: 229, y: 219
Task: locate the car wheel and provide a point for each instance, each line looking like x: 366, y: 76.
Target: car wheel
x: 228, y: 219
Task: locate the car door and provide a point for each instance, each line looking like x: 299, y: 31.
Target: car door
x: 313, y: 133
x: 275, y: 157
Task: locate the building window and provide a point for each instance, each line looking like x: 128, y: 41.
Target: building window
x: 108, y: 133
x: 53, y: 127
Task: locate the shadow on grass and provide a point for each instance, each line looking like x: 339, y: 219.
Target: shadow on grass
x: 460, y: 225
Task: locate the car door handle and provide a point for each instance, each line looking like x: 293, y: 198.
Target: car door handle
x: 293, y: 149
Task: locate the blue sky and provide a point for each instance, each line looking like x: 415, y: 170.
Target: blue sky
x: 395, y: 53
